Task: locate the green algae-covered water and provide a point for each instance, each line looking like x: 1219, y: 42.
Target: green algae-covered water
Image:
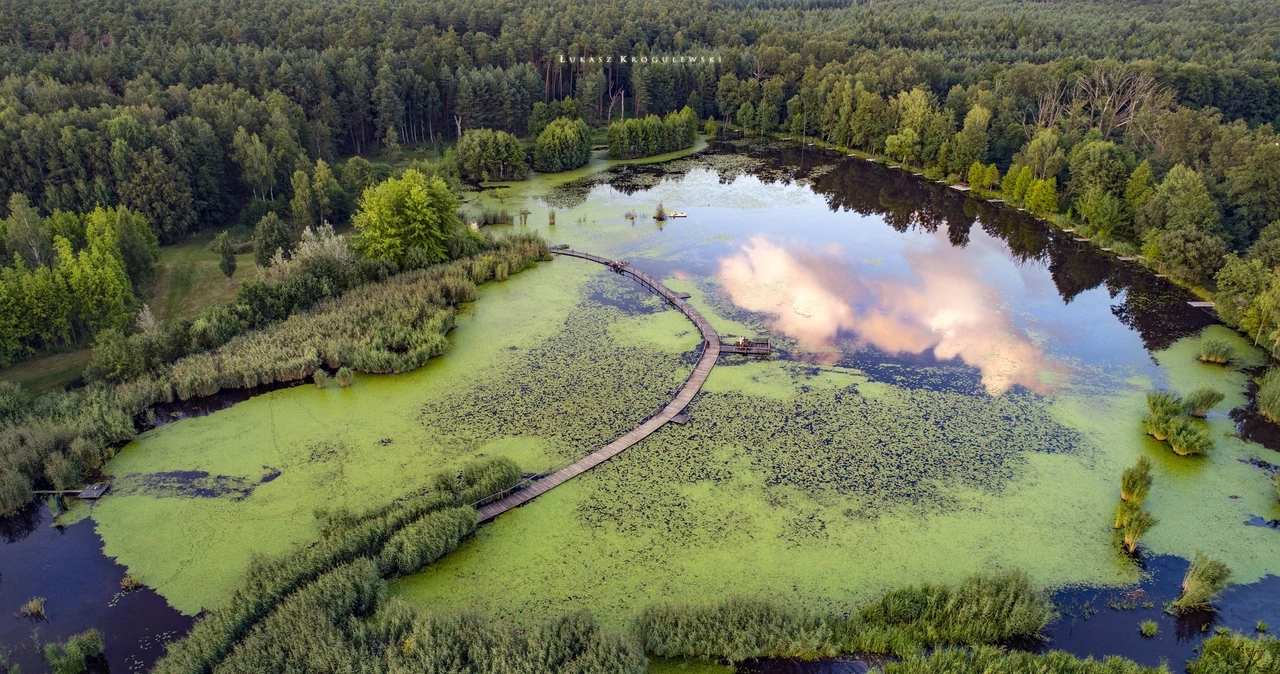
x: 954, y: 388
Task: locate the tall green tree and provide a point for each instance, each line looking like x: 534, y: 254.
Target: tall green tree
x: 226, y: 254
x: 271, y: 234
x: 404, y: 214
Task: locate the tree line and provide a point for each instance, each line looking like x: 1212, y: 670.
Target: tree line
x: 651, y: 135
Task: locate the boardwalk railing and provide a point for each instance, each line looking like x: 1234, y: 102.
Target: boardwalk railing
x: 530, y: 489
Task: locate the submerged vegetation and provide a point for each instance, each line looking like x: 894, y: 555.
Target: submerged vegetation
x: 1204, y: 580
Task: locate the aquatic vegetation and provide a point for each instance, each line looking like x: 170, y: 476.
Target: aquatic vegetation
x: 985, y: 608
x: 72, y: 656
x: 1235, y: 654
x: 1149, y: 628
x: 269, y: 584
x: 1275, y: 481
x: 482, y: 481
x: 1124, y: 511
x: 1205, y: 578
x: 1135, y: 526
x: 1213, y: 350
x: 130, y: 583
x: 1189, y: 438
x: 994, y: 660
x: 344, y: 376
x: 320, y: 378
x: 1261, y: 627
x: 426, y: 540
x: 1135, y: 481
x: 660, y: 214
x: 1268, y: 395
x: 1162, y: 408
x: 1199, y: 402
x: 34, y: 608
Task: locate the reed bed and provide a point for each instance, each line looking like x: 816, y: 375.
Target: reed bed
x: 983, y: 609
x: 1217, y: 351
x: 990, y: 660
x: 1204, y: 580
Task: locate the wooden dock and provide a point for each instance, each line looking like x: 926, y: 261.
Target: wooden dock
x: 527, y: 491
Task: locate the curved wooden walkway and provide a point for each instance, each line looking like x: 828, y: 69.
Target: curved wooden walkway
x: 710, y: 352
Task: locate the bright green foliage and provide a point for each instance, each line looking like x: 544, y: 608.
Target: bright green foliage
x: 565, y: 144
x: 404, y: 214
x: 1181, y: 202
x: 1135, y: 482
x: 1201, y: 400
x: 1149, y: 628
x: 651, y: 135
x: 1139, y: 190
x: 344, y: 376
x: 485, y: 154
x: 1042, y: 196
x: 425, y: 541
x: 271, y: 235
x: 1102, y: 211
x: 1235, y: 654
x: 72, y: 656
x: 994, y: 660
x: 1188, y: 437
x: 1205, y: 578
x: 1216, y: 351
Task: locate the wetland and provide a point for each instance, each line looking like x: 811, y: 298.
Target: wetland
x: 955, y: 386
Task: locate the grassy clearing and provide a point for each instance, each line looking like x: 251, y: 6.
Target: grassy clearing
x: 48, y: 373
x: 188, y: 280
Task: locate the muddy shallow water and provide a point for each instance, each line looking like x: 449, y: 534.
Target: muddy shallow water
x: 955, y: 386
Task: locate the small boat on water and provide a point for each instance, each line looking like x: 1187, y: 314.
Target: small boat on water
x: 678, y: 214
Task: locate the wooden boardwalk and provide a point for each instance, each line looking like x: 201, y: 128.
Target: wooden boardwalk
x: 710, y: 352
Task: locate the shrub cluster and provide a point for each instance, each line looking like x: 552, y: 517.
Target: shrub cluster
x: 651, y: 135
x: 565, y: 144
x: 72, y: 656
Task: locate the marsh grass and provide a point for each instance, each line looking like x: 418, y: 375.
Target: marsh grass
x: 1235, y: 654
x: 1148, y: 628
x: 1135, y: 526
x: 33, y: 609
x: 1268, y: 395
x: 348, y: 540
x: 992, y: 660
x: 130, y: 583
x: 1199, y: 402
x: 73, y: 655
x: 983, y: 609
x: 660, y: 214
x: 1205, y: 578
x: 1217, y: 351
x: 344, y: 376
x: 1135, y: 482
x: 1188, y: 437
x: 1162, y: 408
x: 1124, y: 510
x: 320, y: 377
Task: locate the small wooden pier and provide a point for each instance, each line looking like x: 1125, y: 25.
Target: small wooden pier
x: 530, y: 489
x: 748, y: 347
x: 91, y: 492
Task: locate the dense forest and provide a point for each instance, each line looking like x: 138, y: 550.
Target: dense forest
x: 1152, y: 122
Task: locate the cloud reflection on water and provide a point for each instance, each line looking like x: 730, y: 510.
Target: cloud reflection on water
x: 816, y: 297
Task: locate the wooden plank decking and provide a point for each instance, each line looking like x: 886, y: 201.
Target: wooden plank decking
x: 710, y: 352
